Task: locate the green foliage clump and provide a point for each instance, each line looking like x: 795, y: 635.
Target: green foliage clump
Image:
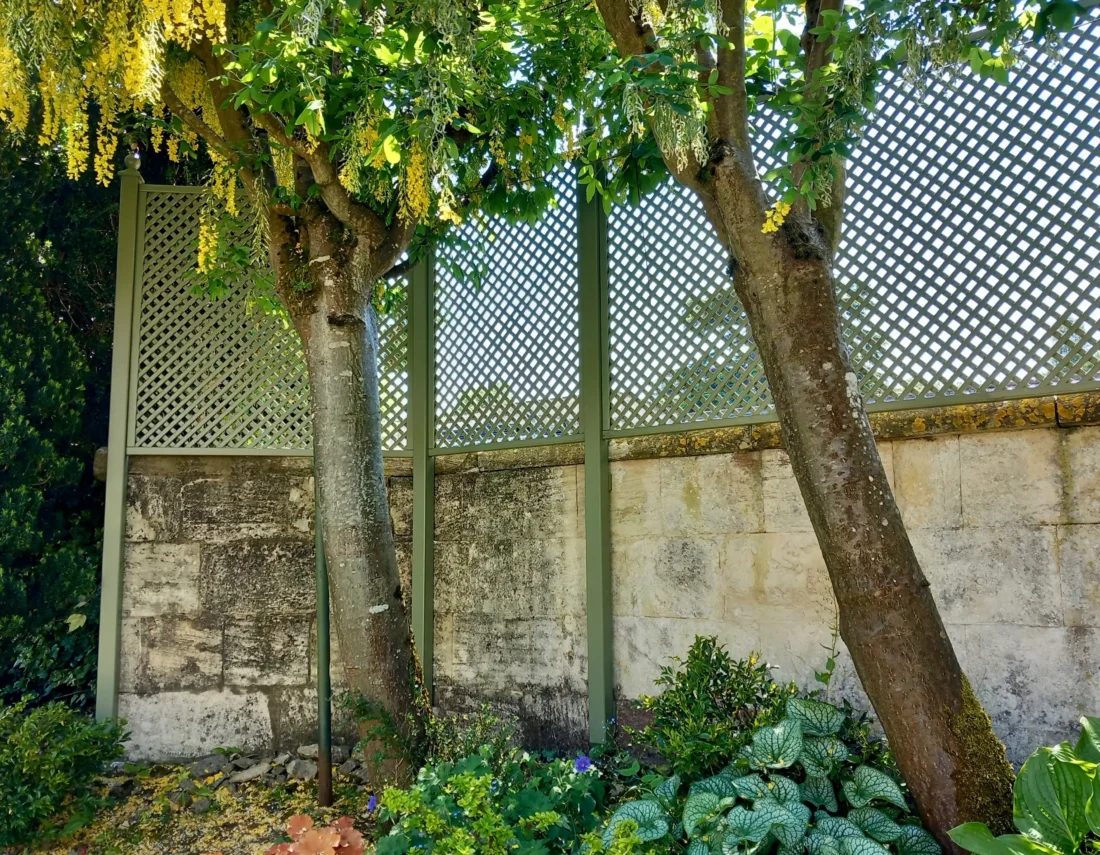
x: 528, y: 806
x: 710, y: 706
x: 49, y: 758
x: 1056, y: 803
x: 450, y: 738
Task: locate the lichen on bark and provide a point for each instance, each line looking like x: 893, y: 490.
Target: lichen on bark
x: 985, y: 777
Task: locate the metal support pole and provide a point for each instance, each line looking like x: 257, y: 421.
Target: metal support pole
x: 422, y: 434
x: 324, y: 681
x: 592, y: 250
x: 114, y: 517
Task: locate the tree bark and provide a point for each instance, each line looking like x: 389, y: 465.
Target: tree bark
x: 952, y: 761
x: 339, y: 330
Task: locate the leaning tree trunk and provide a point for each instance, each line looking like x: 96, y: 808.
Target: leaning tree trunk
x: 339, y: 330
x: 942, y: 738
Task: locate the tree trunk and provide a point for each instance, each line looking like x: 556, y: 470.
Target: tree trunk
x: 340, y: 332
x: 943, y: 740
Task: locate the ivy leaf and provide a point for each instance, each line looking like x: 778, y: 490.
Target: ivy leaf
x: 914, y: 840
x: 652, y: 821
x: 867, y: 784
x: 697, y: 808
x: 819, y: 792
x: 816, y: 717
x: 777, y: 747
x: 875, y: 824
x: 820, y: 754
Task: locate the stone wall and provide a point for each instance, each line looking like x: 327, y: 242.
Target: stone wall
x: 709, y: 536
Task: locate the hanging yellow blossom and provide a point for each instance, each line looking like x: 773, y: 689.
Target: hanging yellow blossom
x: 208, y: 243
x: 14, y: 104
x: 415, y: 197
x: 775, y: 217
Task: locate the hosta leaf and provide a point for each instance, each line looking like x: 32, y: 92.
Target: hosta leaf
x: 861, y: 846
x: 720, y: 785
x: 1088, y: 746
x: 777, y: 747
x: 914, y: 840
x: 1050, y: 801
x: 652, y: 821
x: 668, y: 788
x: 977, y: 838
x: 819, y: 792
x: 749, y: 787
x: 817, y: 718
x: 787, y: 828
x: 744, y: 824
x: 820, y: 754
x: 822, y: 844
x: 837, y: 826
x: 875, y: 824
x: 697, y: 808
x: 867, y: 784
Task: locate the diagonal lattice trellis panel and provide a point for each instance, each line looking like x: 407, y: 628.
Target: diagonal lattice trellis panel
x: 222, y: 374
x: 508, y: 349
x: 970, y: 264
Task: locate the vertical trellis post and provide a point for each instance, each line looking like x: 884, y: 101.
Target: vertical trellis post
x: 421, y: 435
x: 114, y: 519
x: 592, y: 250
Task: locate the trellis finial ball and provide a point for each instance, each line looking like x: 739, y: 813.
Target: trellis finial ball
x: 133, y: 160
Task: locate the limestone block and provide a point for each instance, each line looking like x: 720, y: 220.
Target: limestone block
x: 258, y: 577
x: 1081, y: 450
x: 1011, y: 478
x: 666, y: 577
x: 185, y: 725
x: 231, y: 508
x: 161, y: 579
x: 992, y: 575
x: 267, y: 650
x: 928, y: 481
x: 153, y: 507
x: 519, y: 503
x: 635, y: 498
x: 300, y: 507
x: 642, y: 645
x: 293, y: 712
x: 1038, y: 679
x: 1079, y: 554
x: 775, y: 571
x: 715, y: 494
x: 170, y: 653
x: 400, y: 492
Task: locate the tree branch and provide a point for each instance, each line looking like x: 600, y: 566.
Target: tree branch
x: 732, y: 110
x: 194, y: 122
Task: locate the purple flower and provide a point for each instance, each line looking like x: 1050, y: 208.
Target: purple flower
x: 582, y: 763
x: 372, y: 804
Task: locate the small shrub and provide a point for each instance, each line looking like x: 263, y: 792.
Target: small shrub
x: 1056, y: 803
x: 340, y: 838
x: 531, y: 806
x: 449, y: 738
x: 49, y: 758
x: 814, y: 782
x: 709, y: 708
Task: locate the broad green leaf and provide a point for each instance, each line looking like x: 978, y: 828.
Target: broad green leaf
x: 720, y: 785
x: 698, y: 847
x: 391, y: 149
x: 1088, y: 745
x: 820, y: 793
x: 786, y: 827
x: 777, y: 747
x: 822, y: 844
x: 744, y: 824
x: 867, y: 784
x: 652, y: 821
x: 816, y: 717
x: 1050, y: 800
x: 977, y: 838
x: 1092, y: 809
x: 820, y: 754
x: 783, y: 789
x: 748, y: 787
x: 697, y: 808
x: 875, y: 824
x: 668, y: 788
x: 861, y: 846
x: 838, y: 827
x: 914, y: 840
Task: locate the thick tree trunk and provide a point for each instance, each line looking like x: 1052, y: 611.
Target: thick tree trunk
x: 942, y: 738
x: 340, y: 333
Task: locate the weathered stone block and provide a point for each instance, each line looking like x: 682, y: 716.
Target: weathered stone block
x: 258, y: 577
x: 293, y: 712
x: 1081, y: 450
x: 400, y: 492
x: 185, y: 725
x: 769, y: 571
x: 161, y: 579
x: 928, y: 479
x: 549, y: 717
x: 635, y: 498
x: 170, y: 653
x: 300, y: 507
x: 717, y: 494
x: 1079, y: 556
x: 1011, y: 478
x: 538, y: 503
x: 226, y: 508
x: 666, y: 577
x: 153, y: 507
x: 267, y: 650
x: 992, y: 575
